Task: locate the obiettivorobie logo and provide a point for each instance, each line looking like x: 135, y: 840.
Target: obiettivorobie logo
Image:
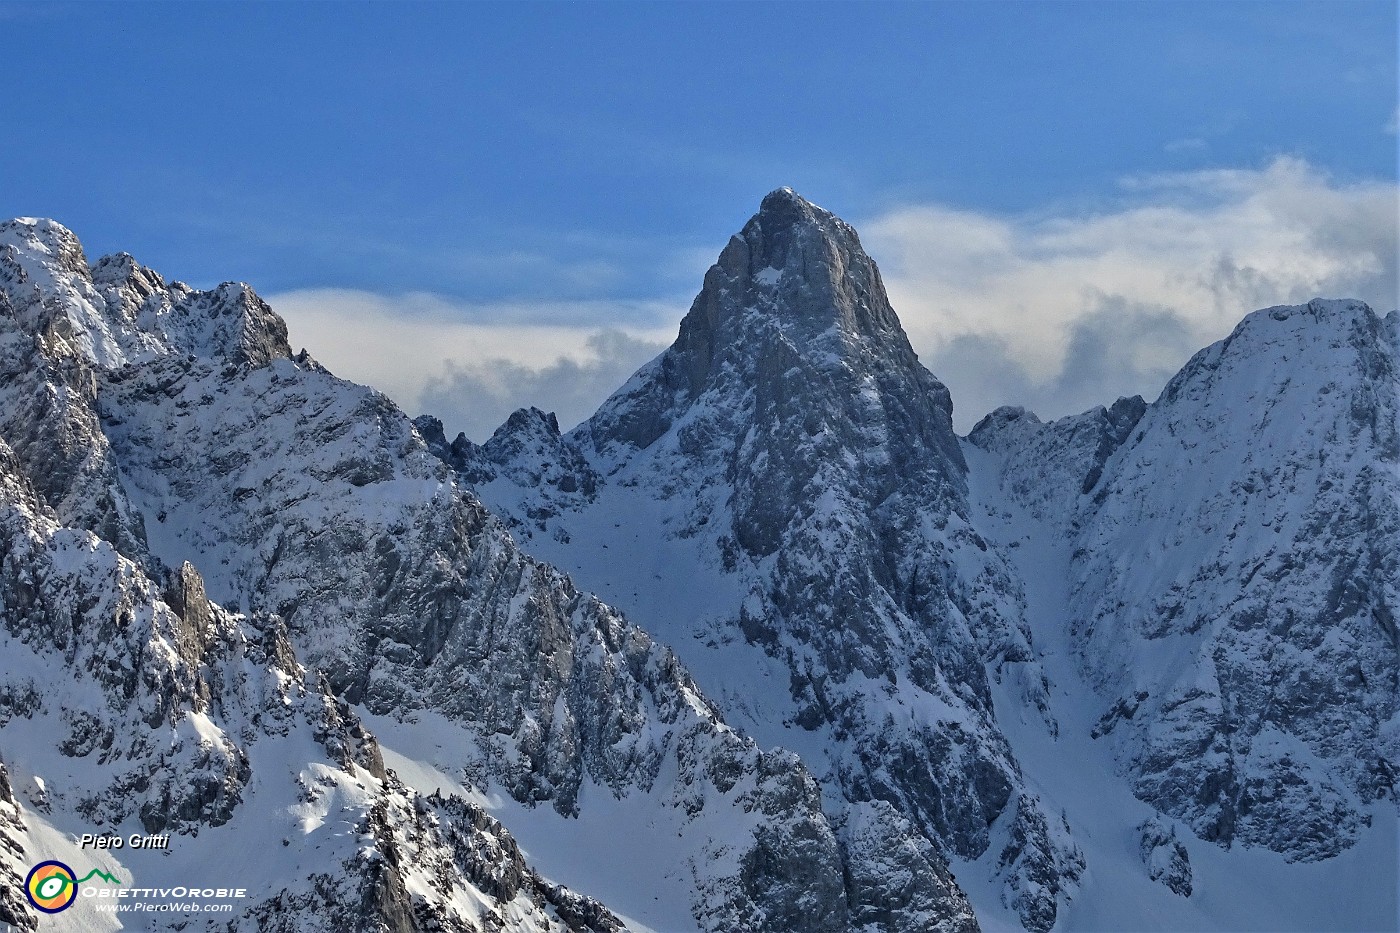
x: 53, y: 886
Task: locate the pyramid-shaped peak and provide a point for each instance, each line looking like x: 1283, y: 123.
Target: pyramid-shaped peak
x: 793, y: 309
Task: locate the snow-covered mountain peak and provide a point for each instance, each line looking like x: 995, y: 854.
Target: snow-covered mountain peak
x: 117, y: 311
x: 1255, y: 620
x: 531, y: 421
x: 999, y: 419
x: 1290, y: 334
x: 42, y: 237
x: 121, y: 270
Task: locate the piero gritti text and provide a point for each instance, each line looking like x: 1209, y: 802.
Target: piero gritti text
x: 134, y: 841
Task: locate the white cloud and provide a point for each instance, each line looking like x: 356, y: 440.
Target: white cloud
x: 472, y: 364
x: 1061, y: 313
x: 476, y: 397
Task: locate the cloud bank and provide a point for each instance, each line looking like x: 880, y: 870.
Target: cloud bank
x: 484, y: 393
x: 472, y: 364
x: 1057, y: 311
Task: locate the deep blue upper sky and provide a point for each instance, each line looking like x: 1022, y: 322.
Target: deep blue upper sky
x: 484, y: 151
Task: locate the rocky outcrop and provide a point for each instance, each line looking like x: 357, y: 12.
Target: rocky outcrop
x: 14, y: 911
x: 1165, y: 858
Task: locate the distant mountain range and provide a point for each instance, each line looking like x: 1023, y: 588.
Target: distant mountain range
x: 844, y: 670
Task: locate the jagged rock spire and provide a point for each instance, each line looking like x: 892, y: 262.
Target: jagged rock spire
x: 804, y: 268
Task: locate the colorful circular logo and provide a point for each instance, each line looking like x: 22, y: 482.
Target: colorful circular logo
x: 51, y: 887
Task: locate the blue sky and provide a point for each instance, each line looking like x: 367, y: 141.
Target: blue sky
x: 572, y: 168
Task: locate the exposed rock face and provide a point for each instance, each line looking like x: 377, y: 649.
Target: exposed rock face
x: 897, y: 879
x: 69, y: 594
x: 803, y: 464
x: 13, y: 866
x: 792, y: 304
x: 1034, y: 884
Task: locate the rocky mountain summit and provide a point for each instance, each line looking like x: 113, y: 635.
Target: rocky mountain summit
x: 844, y: 671
x: 801, y: 467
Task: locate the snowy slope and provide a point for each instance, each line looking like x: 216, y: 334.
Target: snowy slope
x: 1230, y: 890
